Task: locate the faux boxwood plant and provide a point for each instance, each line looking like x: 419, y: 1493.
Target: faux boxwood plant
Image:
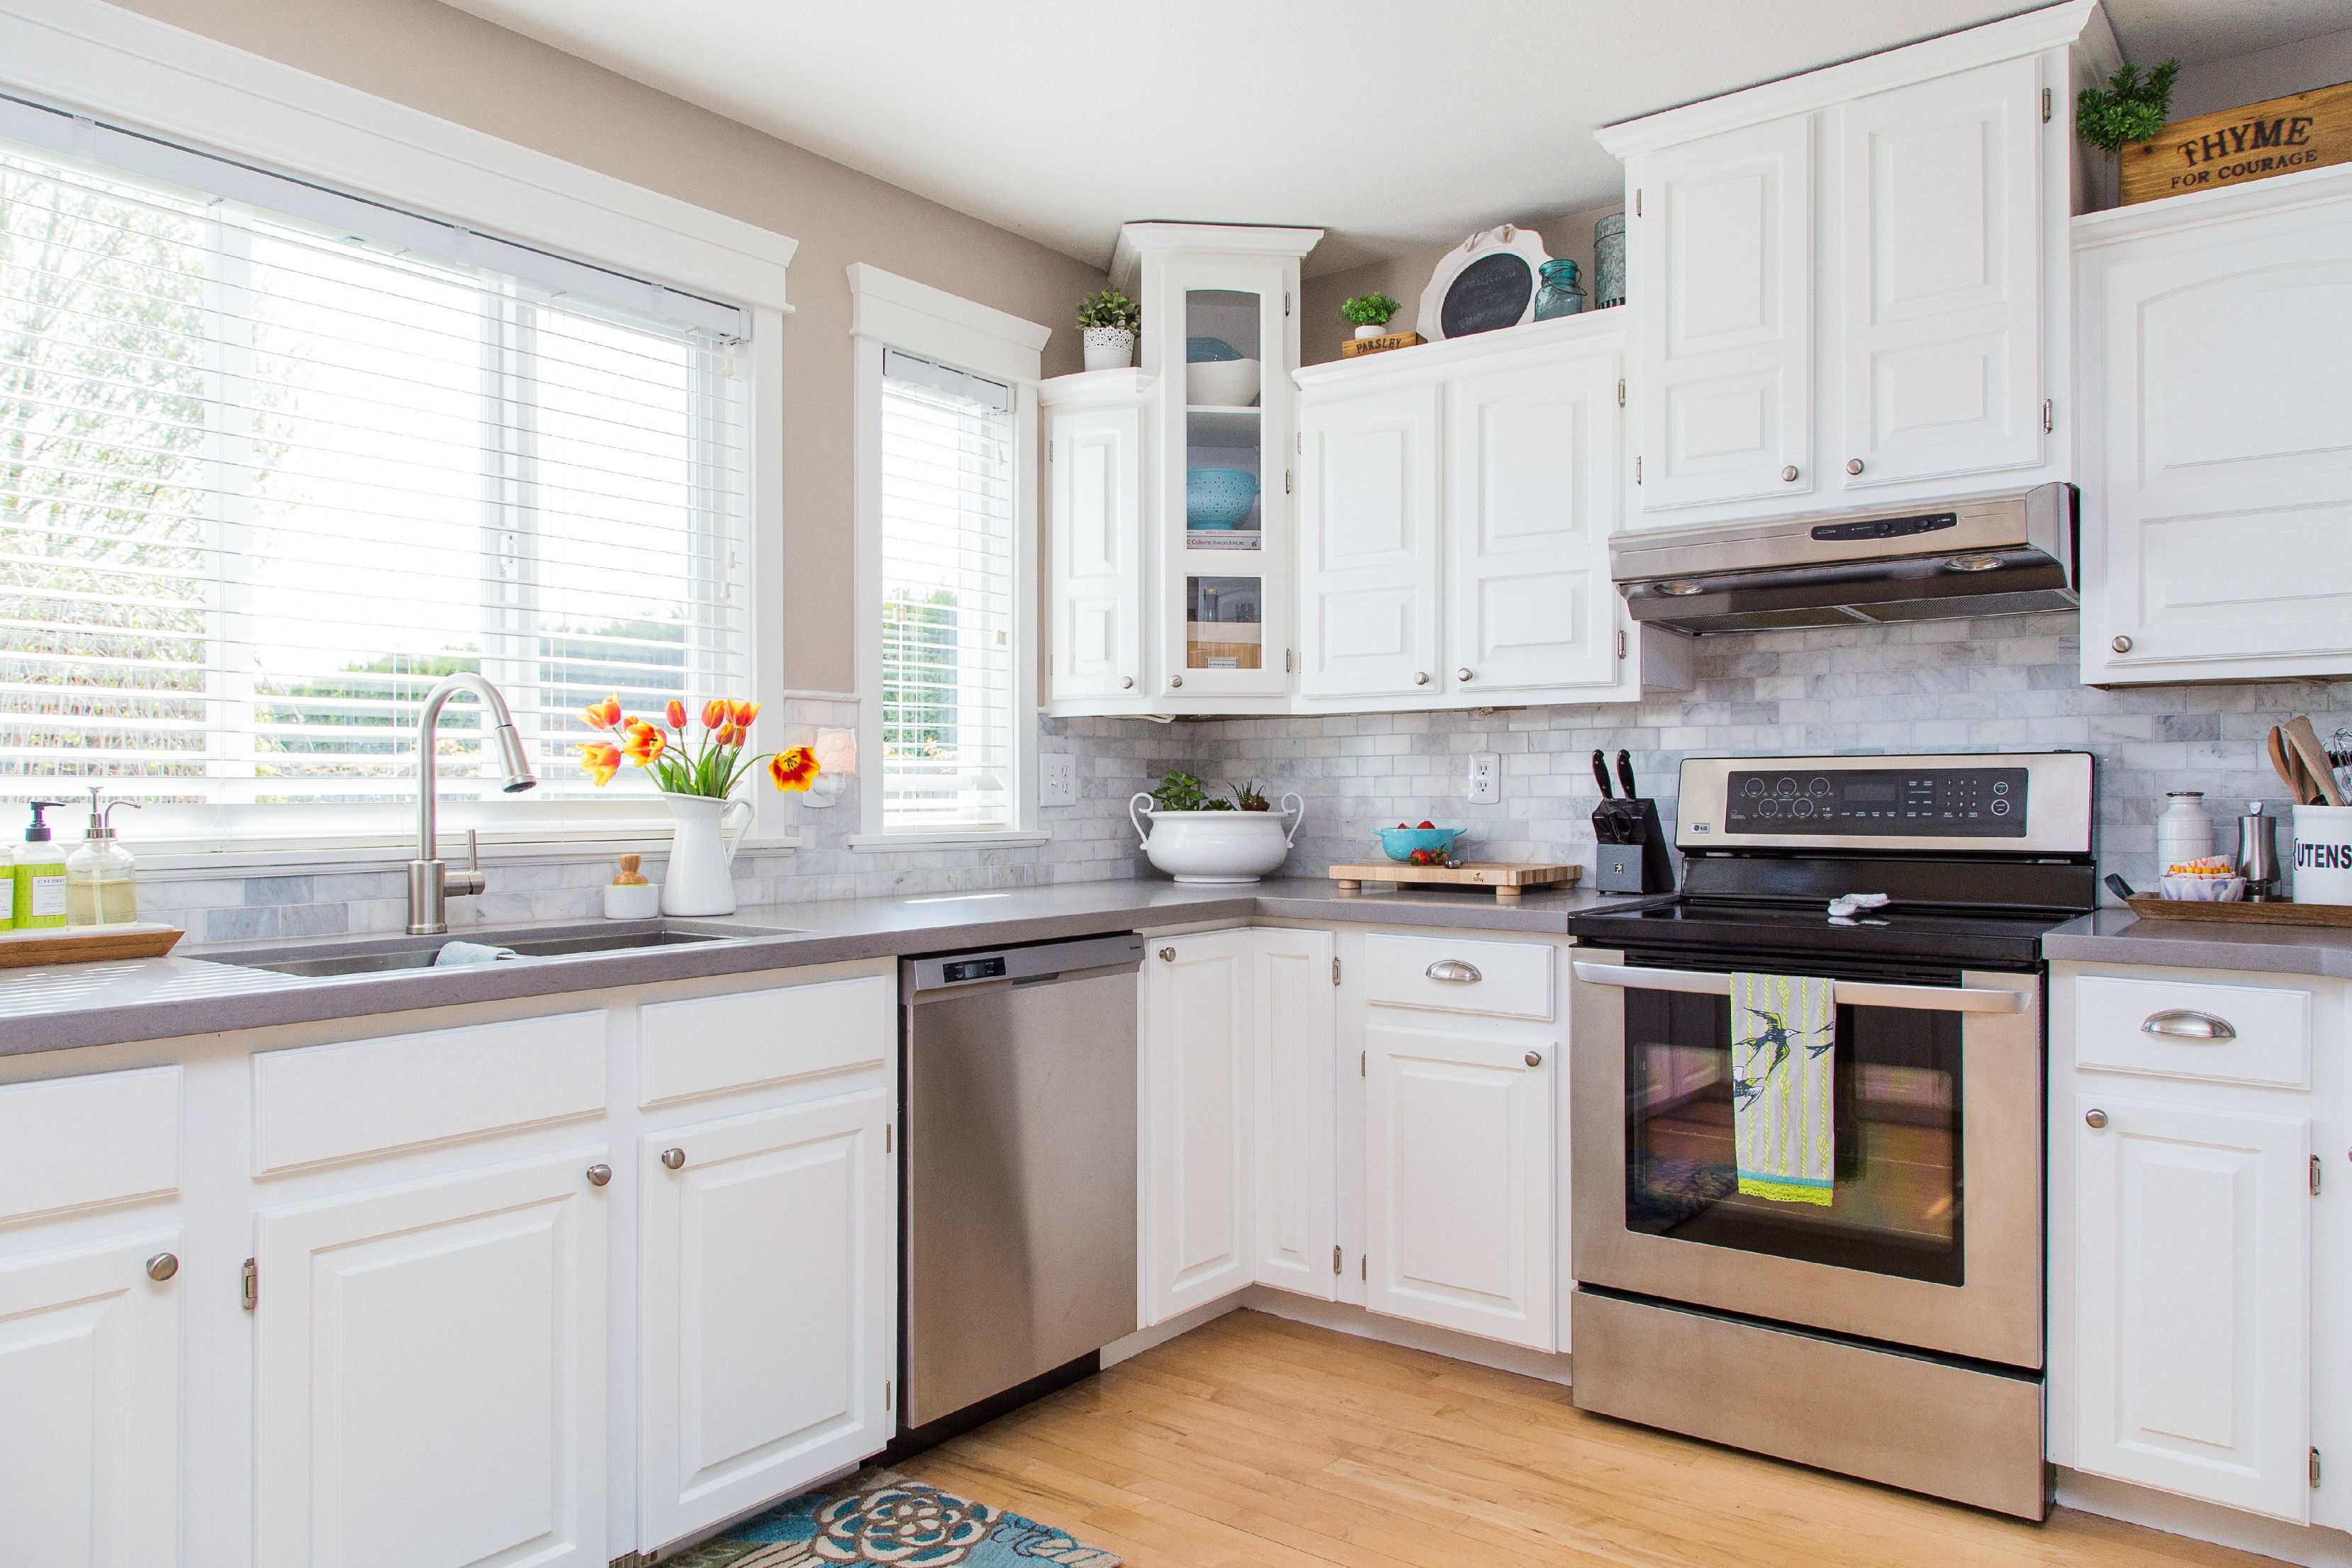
x: 1108, y: 308
x: 1370, y: 310
x: 2130, y: 107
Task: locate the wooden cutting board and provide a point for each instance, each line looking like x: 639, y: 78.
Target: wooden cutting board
x: 86, y: 944
x: 1508, y: 878
x: 2275, y: 913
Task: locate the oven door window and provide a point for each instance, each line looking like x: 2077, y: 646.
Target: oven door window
x: 1897, y: 1205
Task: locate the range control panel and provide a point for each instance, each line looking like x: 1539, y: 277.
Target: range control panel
x: 1926, y: 802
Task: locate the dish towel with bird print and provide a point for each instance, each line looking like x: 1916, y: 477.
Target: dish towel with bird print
x: 1784, y: 1049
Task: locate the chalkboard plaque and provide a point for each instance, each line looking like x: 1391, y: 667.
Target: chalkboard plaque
x: 1492, y: 291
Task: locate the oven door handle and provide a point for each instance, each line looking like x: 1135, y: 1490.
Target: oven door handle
x: 1849, y: 993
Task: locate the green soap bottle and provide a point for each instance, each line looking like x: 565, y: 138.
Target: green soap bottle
x: 40, y: 875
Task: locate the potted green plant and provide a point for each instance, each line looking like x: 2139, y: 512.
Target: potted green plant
x: 2130, y: 108
x: 1197, y: 836
x: 1108, y: 322
x: 1371, y: 313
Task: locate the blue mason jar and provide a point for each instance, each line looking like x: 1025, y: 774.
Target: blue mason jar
x: 1560, y: 295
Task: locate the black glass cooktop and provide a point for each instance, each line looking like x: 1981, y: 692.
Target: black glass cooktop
x: 1741, y: 930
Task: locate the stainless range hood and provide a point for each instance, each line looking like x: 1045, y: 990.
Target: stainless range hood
x: 1990, y: 555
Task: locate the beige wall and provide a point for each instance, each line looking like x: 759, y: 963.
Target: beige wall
x: 432, y: 58
x: 1321, y: 332
x: 2212, y: 85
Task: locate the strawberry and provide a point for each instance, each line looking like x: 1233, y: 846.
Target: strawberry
x: 1428, y: 824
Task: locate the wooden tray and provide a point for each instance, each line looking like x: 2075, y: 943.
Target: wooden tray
x: 86, y: 944
x: 2276, y: 913
x: 1509, y: 879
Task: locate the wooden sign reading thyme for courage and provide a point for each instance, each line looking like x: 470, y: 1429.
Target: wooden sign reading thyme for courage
x: 2308, y: 130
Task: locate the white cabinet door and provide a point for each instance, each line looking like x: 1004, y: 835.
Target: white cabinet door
x: 1194, y: 1175
x: 2218, y: 488
x: 1531, y: 498
x: 2192, y: 1302
x: 431, y: 1367
x: 1096, y: 523
x: 1459, y: 1179
x: 1368, y: 544
x: 768, y: 1281
x: 89, y: 1407
x: 1722, y: 262
x: 1939, y: 217
x: 1295, y: 1025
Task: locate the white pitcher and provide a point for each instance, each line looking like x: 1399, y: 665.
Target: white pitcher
x: 698, y: 881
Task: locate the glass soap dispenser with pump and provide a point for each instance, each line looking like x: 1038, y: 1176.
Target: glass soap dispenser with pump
x: 99, y: 886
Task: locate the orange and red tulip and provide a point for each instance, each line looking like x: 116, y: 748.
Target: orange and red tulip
x: 714, y: 713
x: 644, y: 743
x: 600, y: 760
x: 794, y: 770
x: 675, y: 712
x: 744, y: 713
x: 604, y: 715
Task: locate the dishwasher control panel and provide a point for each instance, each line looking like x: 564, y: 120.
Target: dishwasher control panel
x: 957, y: 969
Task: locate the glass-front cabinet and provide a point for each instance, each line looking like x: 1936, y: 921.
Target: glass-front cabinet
x: 1212, y: 458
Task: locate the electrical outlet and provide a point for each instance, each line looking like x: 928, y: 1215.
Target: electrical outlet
x: 1057, y: 779
x: 1486, y: 776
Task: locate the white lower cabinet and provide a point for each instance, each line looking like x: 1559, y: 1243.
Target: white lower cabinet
x: 1459, y: 1179
x: 1194, y: 1174
x: 431, y: 1370
x: 767, y: 1288
x: 1296, y: 1094
x: 90, y: 1406
x: 2192, y: 1335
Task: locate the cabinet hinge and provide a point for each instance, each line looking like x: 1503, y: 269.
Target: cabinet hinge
x: 2314, y: 1175
x: 1285, y: 303
x: 2315, y: 1470
x: 1621, y: 643
x: 1637, y: 200
x: 887, y: 1131
x: 1637, y: 469
x: 1363, y: 1064
x: 2049, y: 416
x: 1621, y: 392
x: 250, y: 1278
x: 1335, y: 1260
x: 1335, y: 971
x: 886, y: 1394
x: 1286, y: 481
x: 2045, y: 106
x: 1364, y: 1268
x: 1298, y: 443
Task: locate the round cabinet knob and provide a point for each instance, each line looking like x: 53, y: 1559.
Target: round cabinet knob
x: 162, y: 1265
x: 674, y: 1158
x: 1789, y: 474
x: 1127, y: 683
x: 1421, y: 678
x: 2095, y: 1118
x: 1854, y: 465
x: 1462, y: 674
x: 1167, y: 955
x: 2121, y: 644
x: 1534, y: 1058
x: 599, y: 1175
x: 1175, y: 681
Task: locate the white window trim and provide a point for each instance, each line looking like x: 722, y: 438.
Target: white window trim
x: 890, y: 311
x: 138, y: 73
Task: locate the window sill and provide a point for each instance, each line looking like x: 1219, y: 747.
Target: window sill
x: 919, y: 841
x: 187, y: 860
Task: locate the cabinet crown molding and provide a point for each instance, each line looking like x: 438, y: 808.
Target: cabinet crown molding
x: 1599, y: 329
x: 2222, y: 204
x: 1094, y: 388
x: 1135, y: 240
x: 2053, y: 27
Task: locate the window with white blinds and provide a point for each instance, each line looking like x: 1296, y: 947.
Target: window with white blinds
x: 262, y: 483
x: 948, y: 599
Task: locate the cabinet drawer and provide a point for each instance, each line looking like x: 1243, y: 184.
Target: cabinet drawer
x: 1502, y: 979
x: 705, y: 1045
x: 324, y: 1103
x: 2267, y: 1040
x: 76, y: 1142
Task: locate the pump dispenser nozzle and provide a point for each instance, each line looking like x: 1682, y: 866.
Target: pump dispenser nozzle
x: 41, y: 832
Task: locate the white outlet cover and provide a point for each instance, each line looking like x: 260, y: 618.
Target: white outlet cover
x: 1057, y: 779
x: 1486, y: 777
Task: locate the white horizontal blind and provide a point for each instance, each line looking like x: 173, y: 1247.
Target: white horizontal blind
x: 948, y: 599
x: 262, y: 484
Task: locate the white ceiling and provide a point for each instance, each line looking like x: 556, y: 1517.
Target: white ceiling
x: 1391, y: 123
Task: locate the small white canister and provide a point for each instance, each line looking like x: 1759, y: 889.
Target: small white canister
x: 2183, y: 831
x: 2323, y: 855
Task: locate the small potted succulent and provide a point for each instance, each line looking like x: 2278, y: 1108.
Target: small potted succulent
x: 1199, y: 837
x: 1107, y: 324
x: 1371, y: 313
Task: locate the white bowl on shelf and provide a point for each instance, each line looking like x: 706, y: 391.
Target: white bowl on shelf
x: 2204, y: 890
x: 1222, y: 383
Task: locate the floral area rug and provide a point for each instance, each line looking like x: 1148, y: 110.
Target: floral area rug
x: 881, y: 1516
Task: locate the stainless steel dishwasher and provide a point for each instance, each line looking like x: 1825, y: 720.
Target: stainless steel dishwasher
x: 1018, y: 1107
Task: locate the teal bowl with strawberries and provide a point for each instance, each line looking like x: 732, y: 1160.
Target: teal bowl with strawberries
x: 1399, y: 843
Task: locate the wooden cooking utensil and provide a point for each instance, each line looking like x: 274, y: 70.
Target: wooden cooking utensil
x: 2304, y: 742
x: 2289, y: 772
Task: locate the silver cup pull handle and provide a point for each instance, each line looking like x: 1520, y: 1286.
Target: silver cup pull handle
x: 2187, y: 1024
x: 1454, y: 972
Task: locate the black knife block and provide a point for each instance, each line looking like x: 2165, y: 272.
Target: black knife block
x: 1633, y: 846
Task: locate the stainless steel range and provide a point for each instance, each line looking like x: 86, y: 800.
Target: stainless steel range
x: 1894, y: 1331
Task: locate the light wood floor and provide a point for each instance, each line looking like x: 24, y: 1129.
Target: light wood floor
x: 1255, y: 1441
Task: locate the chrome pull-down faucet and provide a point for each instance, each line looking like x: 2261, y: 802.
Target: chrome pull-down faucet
x: 431, y: 883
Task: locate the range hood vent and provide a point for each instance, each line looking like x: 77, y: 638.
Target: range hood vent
x: 2008, y: 554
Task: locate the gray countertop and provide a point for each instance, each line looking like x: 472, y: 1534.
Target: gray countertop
x: 201, y: 990
x: 2119, y: 936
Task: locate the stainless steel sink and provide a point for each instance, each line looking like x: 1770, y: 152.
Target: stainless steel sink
x: 385, y: 955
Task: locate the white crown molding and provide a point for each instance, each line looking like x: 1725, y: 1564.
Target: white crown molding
x: 2223, y: 204
x: 1136, y: 240
x: 936, y: 324
x: 1586, y: 329
x: 1094, y: 388
x: 2053, y: 27
x: 131, y: 70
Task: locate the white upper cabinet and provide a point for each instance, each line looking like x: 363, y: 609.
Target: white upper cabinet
x: 1726, y: 351
x: 2216, y: 475
x: 1940, y: 299
x: 1093, y: 435
x: 1849, y: 286
x: 1368, y: 544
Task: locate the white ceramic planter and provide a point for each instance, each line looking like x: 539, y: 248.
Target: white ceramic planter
x: 1216, y: 845
x: 2323, y: 855
x: 1109, y: 348
x: 699, y: 880
x: 1377, y: 330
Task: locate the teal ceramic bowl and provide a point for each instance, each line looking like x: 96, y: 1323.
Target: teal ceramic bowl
x: 1399, y: 843
x: 1219, y: 498
x: 1209, y: 351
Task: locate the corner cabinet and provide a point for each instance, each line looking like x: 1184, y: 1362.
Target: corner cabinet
x: 1455, y: 503
x: 2216, y: 474
x: 1849, y: 286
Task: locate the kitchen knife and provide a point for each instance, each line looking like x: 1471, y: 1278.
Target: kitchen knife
x: 1625, y: 775
x: 1600, y: 772
x: 2119, y: 888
